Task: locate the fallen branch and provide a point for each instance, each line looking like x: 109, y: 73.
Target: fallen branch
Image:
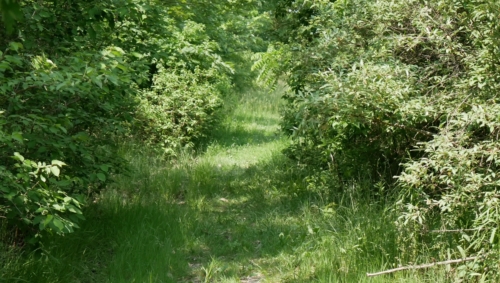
x: 453, y: 231
x: 422, y: 266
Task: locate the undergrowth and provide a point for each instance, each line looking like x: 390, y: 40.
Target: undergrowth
x: 238, y: 212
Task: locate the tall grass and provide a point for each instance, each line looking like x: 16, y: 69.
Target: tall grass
x: 238, y: 212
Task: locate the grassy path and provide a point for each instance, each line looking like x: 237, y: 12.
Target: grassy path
x: 229, y: 219
x: 240, y: 212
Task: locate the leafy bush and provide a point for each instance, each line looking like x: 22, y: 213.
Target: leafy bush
x: 57, y: 110
x: 179, y: 109
x: 45, y: 204
x: 408, y: 89
x: 75, y: 76
x: 456, y: 182
x: 354, y: 106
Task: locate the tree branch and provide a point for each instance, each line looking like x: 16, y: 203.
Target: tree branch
x: 453, y: 231
x: 422, y: 266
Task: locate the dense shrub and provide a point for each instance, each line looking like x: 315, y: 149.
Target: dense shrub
x: 57, y: 110
x: 400, y: 88
x: 179, y: 109
x: 66, y: 90
x: 76, y: 76
x: 457, y: 180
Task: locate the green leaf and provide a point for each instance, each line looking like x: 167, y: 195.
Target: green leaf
x: 61, y: 85
x: 113, y: 79
x: 5, y: 189
x: 136, y: 54
x: 55, y: 170
x: 92, y: 33
x: 38, y: 219
x: 11, y: 12
x: 58, y: 207
x: 492, y: 237
x: 17, y: 136
x: 18, y: 156
x: 58, y: 224
x: 63, y: 129
x: 101, y: 176
x: 73, y: 209
x: 122, y: 67
x: 58, y: 163
x: 462, y: 251
x: 104, y: 167
x: 81, y: 136
x: 97, y: 81
x: 47, y: 221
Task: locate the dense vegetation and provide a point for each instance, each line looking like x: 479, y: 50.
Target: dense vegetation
x: 404, y: 89
x: 77, y: 76
x: 387, y: 103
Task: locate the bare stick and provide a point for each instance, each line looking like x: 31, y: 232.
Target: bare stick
x: 422, y: 266
x: 453, y: 231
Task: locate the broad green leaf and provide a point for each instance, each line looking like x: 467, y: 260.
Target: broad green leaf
x: 47, y: 220
x: 58, y: 207
x: 15, y: 46
x: 58, y: 224
x: 113, y: 79
x: 136, y: 54
x: 17, y: 136
x: 122, y: 67
x: 101, y: 176
x: 104, y: 167
x: 61, y: 85
x: 81, y: 136
x: 97, y: 81
x: 73, y: 209
x: 55, y: 170
x: 38, y: 219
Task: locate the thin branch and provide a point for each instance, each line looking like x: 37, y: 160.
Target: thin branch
x: 453, y: 231
x: 422, y: 266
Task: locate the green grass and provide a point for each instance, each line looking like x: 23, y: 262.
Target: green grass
x: 238, y: 212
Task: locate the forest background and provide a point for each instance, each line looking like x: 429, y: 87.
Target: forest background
x: 396, y: 99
